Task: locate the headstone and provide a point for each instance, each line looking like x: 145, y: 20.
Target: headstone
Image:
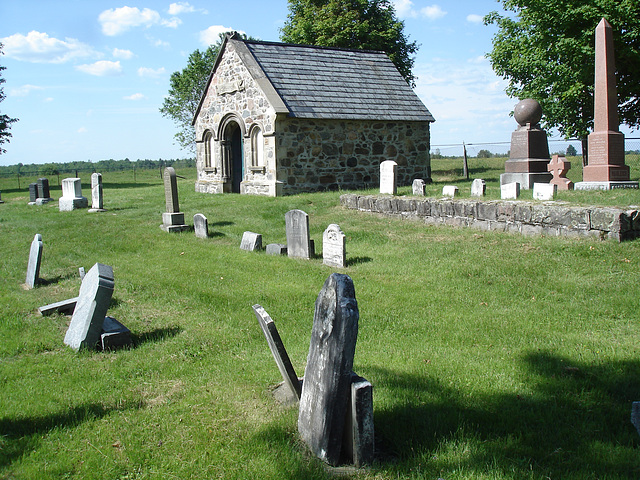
x: 606, y: 168
x: 44, y: 195
x: 276, y: 249
x: 114, y: 334
x: 72, y: 195
x: 172, y: 219
x: 327, y: 380
x: 529, y: 154
x: 93, y: 302
x: 478, y: 188
x: 66, y: 307
x: 278, y: 351
x: 388, y: 177
x: 97, y: 199
x: 297, y: 229
x: 33, y: 193
x: 1, y: 201
x: 200, y: 225
x: 450, y: 191
x: 558, y: 166
x: 251, y: 241
x: 418, y: 187
x: 510, y: 191
x: 635, y: 415
x: 358, y: 441
x: 35, y: 257
x: 333, y: 247
x: 544, y: 191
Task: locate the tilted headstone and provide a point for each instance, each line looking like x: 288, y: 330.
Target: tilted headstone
x: 72, y: 195
x: 114, y: 334
x: 43, y: 190
x: 33, y: 193
x: 278, y: 351
x: 333, y: 247
x: 388, y: 177
x: 35, y: 258
x: 97, y: 197
x: 478, y: 188
x: 66, y: 307
x: 418, y: 186
x: 327, y: 380
x: 297, y: 229
x: 93, y: 302
x: 276, y: 249
x: 510, y: 191
x: 558, y: 166
x: 450, y: 191
x: 251, y: 241
x: 200, y: 225
x: 358, y: 440
x: 172, y: 219
x: 544, y: 191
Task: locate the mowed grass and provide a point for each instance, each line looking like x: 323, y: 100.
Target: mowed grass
x: 492, y: 356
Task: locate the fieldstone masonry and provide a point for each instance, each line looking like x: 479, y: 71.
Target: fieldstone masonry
x: 527, y: 218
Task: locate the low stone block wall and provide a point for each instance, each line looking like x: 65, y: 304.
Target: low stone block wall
x: 527, y: 218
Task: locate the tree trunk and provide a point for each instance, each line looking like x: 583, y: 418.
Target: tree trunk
x: 465, y: 165
x: 585, y: 151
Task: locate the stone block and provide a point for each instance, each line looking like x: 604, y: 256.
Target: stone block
x: 450, y: 191
x: 251, y: 241
x: 388, y: 182
x: 544, y: 191
x: 276, y: 249
x: 358, y: 440
x: 510, y: 191
x: 478, y: 188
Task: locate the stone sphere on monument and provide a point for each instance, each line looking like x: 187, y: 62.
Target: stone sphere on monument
x: 527, y: 111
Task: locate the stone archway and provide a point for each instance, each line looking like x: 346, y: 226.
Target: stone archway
x: 233, y: 155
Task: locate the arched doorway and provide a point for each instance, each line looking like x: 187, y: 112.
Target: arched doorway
x: 234, y: 154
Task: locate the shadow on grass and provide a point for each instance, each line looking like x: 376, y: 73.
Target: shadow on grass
x: 221, y: 224
x: 358, y: 260
x: 22, y: 435
x: 575, y: 423
x: 157, y: 335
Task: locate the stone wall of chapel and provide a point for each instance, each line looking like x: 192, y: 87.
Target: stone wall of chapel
x: 317, y: 155
x: 233, y: 91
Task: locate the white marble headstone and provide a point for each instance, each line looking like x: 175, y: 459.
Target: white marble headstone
x: 388, y: 177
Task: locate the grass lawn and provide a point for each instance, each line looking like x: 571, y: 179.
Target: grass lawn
x: 492, y: 355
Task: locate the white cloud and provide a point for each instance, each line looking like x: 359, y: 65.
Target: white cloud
x: 173, y: 22
x: 474, y: 18
x: 48, y: 100
x: 82, y: 130
x: 118, y: 20
x: 23, y: 91
x: 134, y: 97
x: 478, y: 59
x: 123, y: 54
x: 150, y: 72
x: 211, y: 35
x: 180, y: 7
x: 432, y: 12
x: 39, y: 47
x: 103, y: 68
x: 404, y: 8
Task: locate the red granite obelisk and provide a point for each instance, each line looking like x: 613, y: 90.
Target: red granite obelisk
x: 606, y: 143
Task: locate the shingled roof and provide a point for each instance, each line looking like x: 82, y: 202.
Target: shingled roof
x: 332, y: 83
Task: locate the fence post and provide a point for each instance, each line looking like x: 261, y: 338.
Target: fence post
x: 465, y: 165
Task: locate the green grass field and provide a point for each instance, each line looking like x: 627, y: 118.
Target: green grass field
x: 492, y: 356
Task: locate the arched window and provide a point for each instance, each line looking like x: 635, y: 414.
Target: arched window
x: 208, y: 140
x: 257, y: 148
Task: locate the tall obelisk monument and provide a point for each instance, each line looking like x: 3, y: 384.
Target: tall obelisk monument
x: 606, y: 167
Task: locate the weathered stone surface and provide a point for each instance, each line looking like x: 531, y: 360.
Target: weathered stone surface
x: 33, y: 192
x: 72, y: 195
x: 200, y: 225
x: 418, y: 187
x: 171, y: 190
x: 544, y: 191
x: 327, y: 380
x: 93, y: 302
x: 334, y: 247
x: 278, y: 351
x: 35, y: 259
x: 297, y: 230
x: 388, y: 182
x: 478, y: 187
x: 510, y: 191
x: 97, y: 193
x: 43, y: 189
x: 276, y: 249
x: 558, y: 166
x: 358, y: 441
x: 251, y: 241
x: 114, y: 334
x: 450, y: 191
x: 64, y: 307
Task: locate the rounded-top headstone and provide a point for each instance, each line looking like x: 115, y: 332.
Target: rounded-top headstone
x: 527, y: 111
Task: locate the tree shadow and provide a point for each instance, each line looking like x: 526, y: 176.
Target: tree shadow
x: 358, y: 260
x: 157, y: 335
x: 576, y: 415
x: 222, y: 223
x: 21, y: 435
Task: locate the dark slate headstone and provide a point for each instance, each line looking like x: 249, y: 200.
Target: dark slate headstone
x: 635, y: 415
x: 358, y: 441
x: 33, y: 192
x: 35, y: 258
x: 278, y: 351
x: 297, y: 229
x: 114, y: 334
x: 200, y: 225
x: 43, y: 188
x: 251, y: 241
x: 327, y: 380
x: 93, y: 302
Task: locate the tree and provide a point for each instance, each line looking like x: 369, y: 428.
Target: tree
x: 546, y: 51
x: 484, y: 154
x: 571, y: 151
x: 185, y: 90
x: 361, y: 24
x: 5, y: 120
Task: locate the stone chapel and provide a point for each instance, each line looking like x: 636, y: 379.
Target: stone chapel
x: 278, y: 119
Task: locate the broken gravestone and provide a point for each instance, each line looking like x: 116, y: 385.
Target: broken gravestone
x: 35, y: 258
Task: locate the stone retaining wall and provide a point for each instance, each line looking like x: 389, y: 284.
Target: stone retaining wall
x: 527, y: 218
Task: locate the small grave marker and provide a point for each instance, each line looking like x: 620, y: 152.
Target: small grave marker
x: 251, y: 241
x: 418, y: 186
x: 450, y: 191
x: 297, y: 229
x: 97, y: 193
x: 478, y: 188
x: 333, y: 247
x: 558, y: 166
x: 200, y: 225
x: 276, y: 249
x: 388, y: 177
x: 544, y: 191
x: 33, y: 193
x: 510, y: 191
x: 35, y: 258
x: 358, y: 440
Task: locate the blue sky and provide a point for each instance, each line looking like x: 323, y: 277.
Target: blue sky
x: 86, y: 79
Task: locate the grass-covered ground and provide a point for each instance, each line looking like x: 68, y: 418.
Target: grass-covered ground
x: 492, y: 356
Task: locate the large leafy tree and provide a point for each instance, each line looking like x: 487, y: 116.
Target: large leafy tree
x: 546, y: 51
x: 5, y: 120
x: 360, y: 24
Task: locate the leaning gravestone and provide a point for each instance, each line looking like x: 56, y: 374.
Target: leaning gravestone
x: 251, y: 241
x: 172, y: 219
x: 297, y: 229
x: 324, y: 402
x: 93, y: 302
x: 72, y: 195
x: 388, y: 177
x: 35, y: 257
x: 97, y: 197
x: 418, y: 187
x: 333, y: 247
x: 200, y: 225
x: 478, y: 188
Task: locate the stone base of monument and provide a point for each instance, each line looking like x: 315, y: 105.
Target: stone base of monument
x: 93, y: 210
x: 173, y: 222
x: 604, y: 185
x: 42, y: 201
x: 526, y: 180
x: 114, y: 335
x: 69, y: 204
